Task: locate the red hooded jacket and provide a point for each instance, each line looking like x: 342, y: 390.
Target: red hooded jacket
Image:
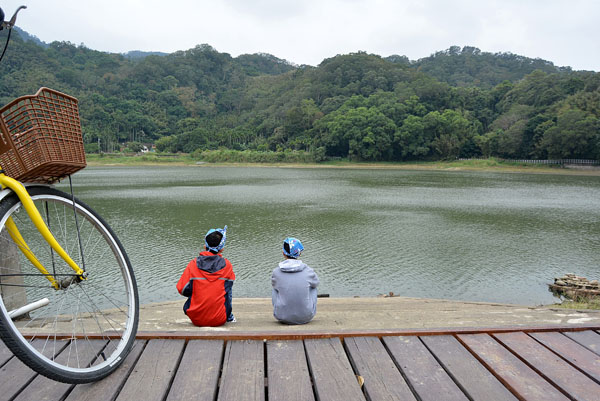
x: 207, y: 281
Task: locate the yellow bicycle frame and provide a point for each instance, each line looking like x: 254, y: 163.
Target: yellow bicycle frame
x: 38, y: 221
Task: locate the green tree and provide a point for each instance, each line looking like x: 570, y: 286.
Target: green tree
x: 448, y: 131
x: 134, y: 147
x: 575, y: 135
x: 410, y: 139
x: 510, y: 128
x: 166, y: 144
x: 358, y: 133
x: 487, y: 143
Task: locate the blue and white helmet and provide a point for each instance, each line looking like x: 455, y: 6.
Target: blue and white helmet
x: 295, y: 247
x: 218, y: 248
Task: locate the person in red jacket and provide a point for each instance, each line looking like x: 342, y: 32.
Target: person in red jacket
x: 207, y: 281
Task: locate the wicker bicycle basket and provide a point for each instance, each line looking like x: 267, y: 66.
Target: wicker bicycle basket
x: 41, y: 138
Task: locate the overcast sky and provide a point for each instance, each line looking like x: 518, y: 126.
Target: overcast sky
x: 566, y: 32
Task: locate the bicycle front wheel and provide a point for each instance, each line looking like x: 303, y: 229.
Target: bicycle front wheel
x: 83, y: 330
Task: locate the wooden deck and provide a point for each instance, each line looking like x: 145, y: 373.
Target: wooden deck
x: 442, y: 365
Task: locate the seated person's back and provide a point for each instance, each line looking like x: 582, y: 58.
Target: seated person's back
x: 207, y: 281
x: 294, y: 294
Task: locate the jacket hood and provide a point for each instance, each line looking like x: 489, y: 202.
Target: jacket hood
x: 292, y: 265
x: 210, y: 263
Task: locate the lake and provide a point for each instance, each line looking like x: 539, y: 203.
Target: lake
x: 476, y: 236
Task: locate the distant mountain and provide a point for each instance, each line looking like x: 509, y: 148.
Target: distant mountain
x: 470, y: 66
x: 30, y: 38
x: 463, y: 67
x: 264, y: 63
x: 456, y: 102
x: 138, y: 54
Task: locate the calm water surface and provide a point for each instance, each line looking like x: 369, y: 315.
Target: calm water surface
x: 459, y: 235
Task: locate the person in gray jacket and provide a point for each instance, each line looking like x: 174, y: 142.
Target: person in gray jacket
x: 295, y: 284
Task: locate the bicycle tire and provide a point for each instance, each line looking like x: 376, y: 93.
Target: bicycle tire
x: 88, y: 328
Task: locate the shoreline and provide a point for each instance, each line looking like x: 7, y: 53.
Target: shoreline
x: 475, y: 166
x: 376, y: 313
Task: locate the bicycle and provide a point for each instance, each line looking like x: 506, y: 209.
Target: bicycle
x: 69, y: 304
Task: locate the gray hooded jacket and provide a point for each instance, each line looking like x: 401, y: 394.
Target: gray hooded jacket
x: 294, y: 292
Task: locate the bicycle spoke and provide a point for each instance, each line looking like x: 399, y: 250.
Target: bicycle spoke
x: 74, y: 340
x: 94, y: 312
x: 25, y: 286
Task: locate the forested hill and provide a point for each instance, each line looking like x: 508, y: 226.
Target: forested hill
x: 470, y: 66
x: 457, y: 102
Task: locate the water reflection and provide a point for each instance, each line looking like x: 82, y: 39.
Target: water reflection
x: 459, y: 235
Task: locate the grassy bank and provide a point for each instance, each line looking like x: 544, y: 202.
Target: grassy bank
x: 300, y: 159
x: 107, y: 159
x: 591, y: 304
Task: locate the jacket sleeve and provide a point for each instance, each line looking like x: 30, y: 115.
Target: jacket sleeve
x: 183, y: 285
x: 273, y: 279
x: 274, y: 290
x: 313, y: 279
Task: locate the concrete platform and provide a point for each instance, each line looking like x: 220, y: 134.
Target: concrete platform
x: 356, y: 314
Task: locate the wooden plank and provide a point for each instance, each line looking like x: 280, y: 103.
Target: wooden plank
x: 510, y: 370
x: 243, y: 377
x: 579, y: 356
x: 44, y: 389
x: 589, y: 339
x: 287, y: 372
x: 551, y: 366
x: 198, y: 374
x: 153, y: 372
x: 466, y: 370
x: 427, y: 378
x: 108, y: 388
x: 5, y: 353
x: 301, y: 334
x: 15, y: 375
x: 331, y: 371
x: 382, y: 379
